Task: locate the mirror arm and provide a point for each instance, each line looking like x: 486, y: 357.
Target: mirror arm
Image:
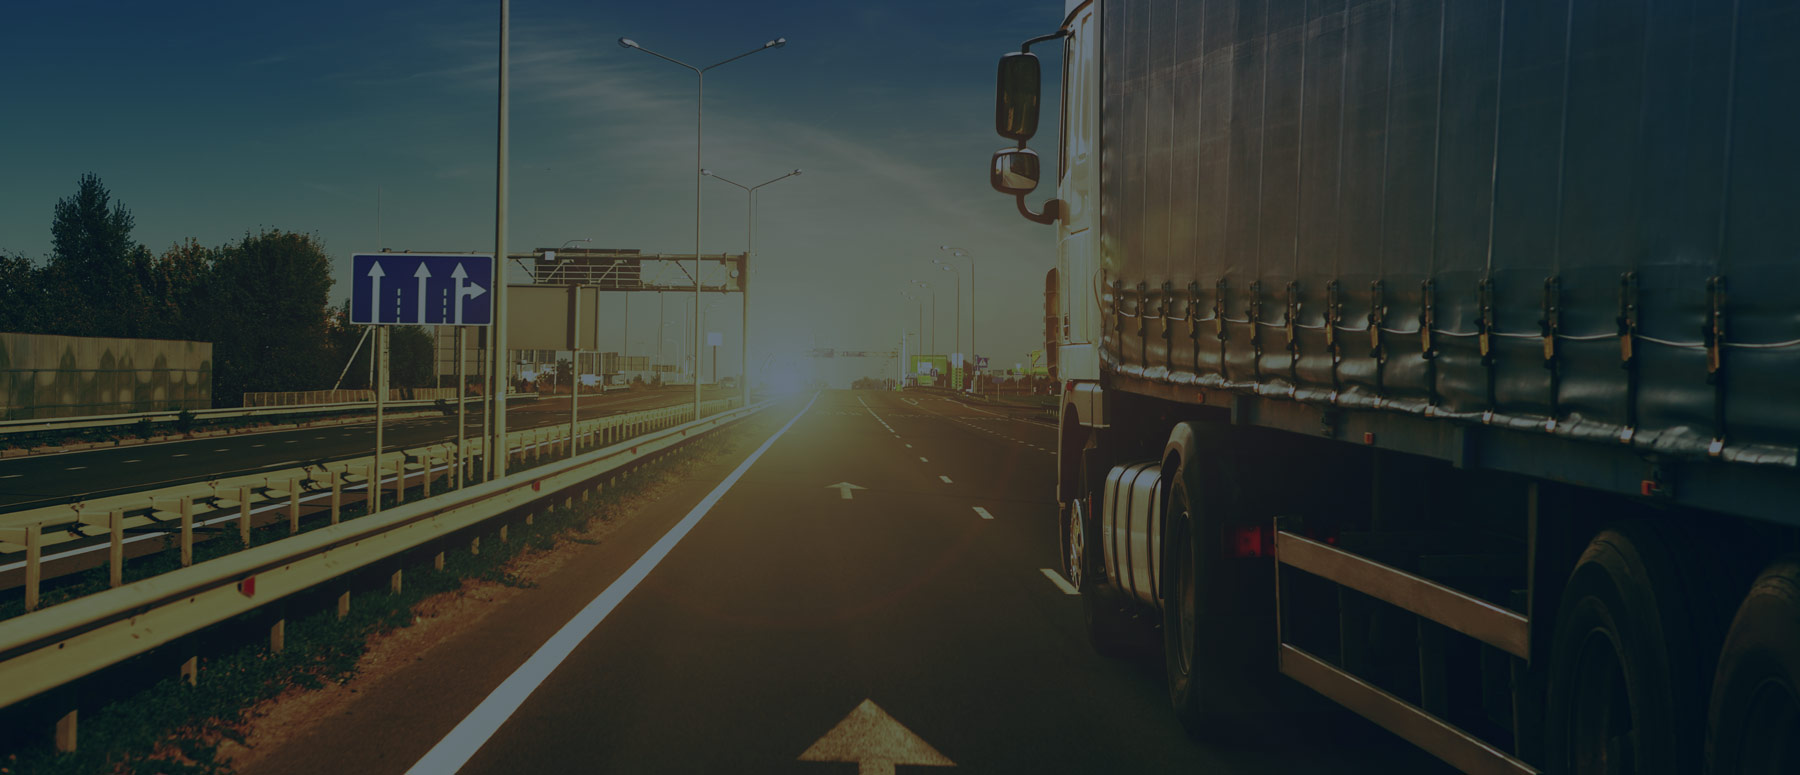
x: 1052, y: 211
x: 1026, y: 46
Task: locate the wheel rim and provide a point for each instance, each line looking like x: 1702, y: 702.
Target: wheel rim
x: 1771, y: 743
x: 1184, y: 592
x: 1076, y: 527
x: 1602, y: 734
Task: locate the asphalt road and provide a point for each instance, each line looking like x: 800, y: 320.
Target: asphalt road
x: 42, y: 480
x: 775, y: 625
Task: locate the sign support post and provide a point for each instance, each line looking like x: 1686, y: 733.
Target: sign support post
x: 462, y: 412
x: 381, y: 389
x: 496, y: 428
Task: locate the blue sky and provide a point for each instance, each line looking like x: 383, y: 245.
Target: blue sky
x: 209, y: 119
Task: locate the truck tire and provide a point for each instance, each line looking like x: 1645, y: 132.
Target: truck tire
x: 1755, y: 720
x: 1625, y: 688
x: 1219, y: 663
x: 1111, y: 629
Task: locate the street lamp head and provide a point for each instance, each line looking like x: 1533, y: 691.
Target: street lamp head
x: 776, y: 43
x: 795, y: 172
x: 627, y: 43
x: 706, y: 172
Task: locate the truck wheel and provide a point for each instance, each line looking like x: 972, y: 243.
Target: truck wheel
x: 1624, y: 689
x: 1111, y: 630
x: 1755, y: 723
x: 1215, y: 660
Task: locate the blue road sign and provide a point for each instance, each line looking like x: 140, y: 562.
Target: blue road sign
x: 412, y: 289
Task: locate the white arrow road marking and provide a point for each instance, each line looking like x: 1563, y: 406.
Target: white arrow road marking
x: 454, y: 750
x: 375, y: 275
x: 844, y: 489
x: 983, y: 512
x: 423, y: 274
x: 1057, y: 579
x: 876, y: 742
x: 946, y: 479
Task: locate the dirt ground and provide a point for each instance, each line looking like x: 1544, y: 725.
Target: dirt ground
x: 436, y: 619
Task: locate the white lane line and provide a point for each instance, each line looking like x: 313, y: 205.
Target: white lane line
x: 183, y: 454
x: 983, y: 512
x: 254, y: 446
x: 74, y: 468
x: 923, y: 460
x: 452, y: 752
x: 221, y: 449
x: 1059, y: 581
x: 11, y: 476
x: 945, y: 478
x: 877, y: 417
x: 909, y: 446
x: 291, y: 441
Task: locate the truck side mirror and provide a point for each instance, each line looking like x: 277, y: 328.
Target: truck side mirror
x: 1014, y: 171
x: 1016, y: 97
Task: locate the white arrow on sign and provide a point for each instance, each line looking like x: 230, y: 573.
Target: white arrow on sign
x: 375, y: 275
x: 423, y: 274
x: 876, y: 742
x: 843, y: 489
x: 464, y: 290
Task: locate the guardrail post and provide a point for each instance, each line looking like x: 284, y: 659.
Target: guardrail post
x: 502, y: 534
x: 528, y: 517
x: 425, y: 457
x: 437, y: 563
x: 344, y: 604
x: 115, y: 522
x: 244, y: 514
x: 187, y: 530
x: 400, y: 480
x: 394, y: 582
x: 373, y: 486
x: 65, y: 733
x: 337, y: 495
x: 293, y: 505
x: 278, y: 636
x: 28, y: 536
x: 475, y: 545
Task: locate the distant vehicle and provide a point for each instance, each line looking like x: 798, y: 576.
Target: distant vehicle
x: 728, y: 383
x: 1398, y: 360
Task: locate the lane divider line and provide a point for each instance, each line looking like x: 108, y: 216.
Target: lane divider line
x: 983, y: 512
x: 473, y: 732
x: 1059, y: 581
x: 923, y: 460
x: 945, y: 478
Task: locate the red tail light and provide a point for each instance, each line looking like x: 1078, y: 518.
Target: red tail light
x: 1257, y: 541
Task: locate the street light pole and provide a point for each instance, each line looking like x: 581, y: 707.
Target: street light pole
x: 749, y: 250
x: 964, y: 253
x: 699, y: 137
x: 927, y: 286
x: 958, y: 329
x: 495, y: 447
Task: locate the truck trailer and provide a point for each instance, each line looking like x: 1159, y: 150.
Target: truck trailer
x: 1438, y: 358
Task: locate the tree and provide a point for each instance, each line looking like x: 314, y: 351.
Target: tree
x: 175, y: 298
x: 410, y: 356
x: 92, y: 283
x: 268, y: 295
x: 20, y: 304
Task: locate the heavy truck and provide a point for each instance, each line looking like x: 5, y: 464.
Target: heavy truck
x: 1438, y: 358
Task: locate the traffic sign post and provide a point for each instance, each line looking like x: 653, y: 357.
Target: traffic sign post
x: 389, y: 289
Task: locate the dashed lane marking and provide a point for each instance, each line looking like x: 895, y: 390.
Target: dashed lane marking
x: 135, y: 460
x: 945, y: 478
x: 11, y: 476
x: 1059, y: 581
x: 983, y: 512
x: 923, y: 460
x: 74, y: 468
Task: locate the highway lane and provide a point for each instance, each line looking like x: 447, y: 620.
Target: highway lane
x: 910, y: 620
x: 40, y: 480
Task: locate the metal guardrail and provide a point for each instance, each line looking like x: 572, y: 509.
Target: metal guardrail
x: 178, y: 509
x: 111, y: 420
x: 46, y: 649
